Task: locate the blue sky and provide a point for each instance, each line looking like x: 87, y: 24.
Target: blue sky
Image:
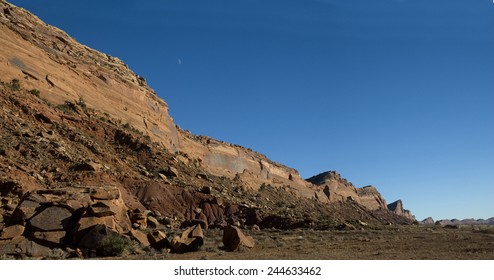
x: 394, y: 93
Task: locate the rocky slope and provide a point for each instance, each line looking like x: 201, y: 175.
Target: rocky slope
x: 74, y: 120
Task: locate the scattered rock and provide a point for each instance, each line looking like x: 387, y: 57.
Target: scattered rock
x: 12, y: 232
x: 346, y: 226
x: 170, y: 171
x: 152, y: 222
x: 139, y: 218
x: 233, y: 238
x: 158, y: 240
x: 206, y: 190
x: 86, y: 166
x: 140, y: 237
x: 190, y: 240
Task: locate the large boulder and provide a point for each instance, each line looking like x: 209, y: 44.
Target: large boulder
x: 190, y: 240
x: 158, y: 240
x: 12, y: 232
x: 50, y: 219
x: 233, y: 238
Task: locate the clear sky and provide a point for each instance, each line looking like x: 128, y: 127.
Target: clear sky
x: 394, y: 93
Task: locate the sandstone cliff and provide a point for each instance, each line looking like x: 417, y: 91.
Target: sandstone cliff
x: 336, y: 188
x: 397, y: 208
x: 76, y: 117
x: 46, y: 58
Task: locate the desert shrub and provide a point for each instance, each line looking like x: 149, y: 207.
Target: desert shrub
x: 114, y: 245
x: 81, y: 102
x: 67, y: 107
x: 34, y: 92
x: 15, y: 85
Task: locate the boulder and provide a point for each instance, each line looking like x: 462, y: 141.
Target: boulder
x: 50, y: 238
x: 346, y: 226
x: 140, y: 237
x: 51, y: 219
x: 24, y: 211
x: 101, y: 209
x: 153, y: 222
x: 190, y: 240
x: 158, y: 240
x: 139, y: 218
x: 31, y: 249
x: 170, y: 171
x: 12, y: 232
x: 233, y: 238
x: 94, y: 237
x: 206, y: 190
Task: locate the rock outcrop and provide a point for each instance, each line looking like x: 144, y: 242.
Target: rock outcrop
x: 427, y: 221
x: 337, y: 188
x: 397, y: 208
x: 371, y: 198
x: 77, y: 217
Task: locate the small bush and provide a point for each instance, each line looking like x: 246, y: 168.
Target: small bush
x: 15, y: 85
x: 114, y: 245
x: 81, y: 103
x: 34, y: 92
x: 67, y: 107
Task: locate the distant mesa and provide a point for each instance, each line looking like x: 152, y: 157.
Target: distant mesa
x: 337, y: 188
x: 456, y: 222
x: 427, y: 221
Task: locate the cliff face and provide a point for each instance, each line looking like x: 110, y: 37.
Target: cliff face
x: 120, y: 132
x: 371, y: 198
x: 336, y: 188
x: 46, y: 58
x: 397, y: 208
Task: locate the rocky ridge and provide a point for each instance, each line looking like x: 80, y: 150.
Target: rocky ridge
x: 75, y: 121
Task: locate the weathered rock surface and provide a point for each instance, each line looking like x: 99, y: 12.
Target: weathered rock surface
x: 140, y: 237
x: 50, y: 218
x: 233, y: 238
x: 12, y: 232
x: 397, y: 208
x: 190, y: 240
x: 336, y: 188
x: 371, y: 198
x: 158, y: 240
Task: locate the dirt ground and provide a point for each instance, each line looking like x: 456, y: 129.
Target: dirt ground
x: 384, y: 243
